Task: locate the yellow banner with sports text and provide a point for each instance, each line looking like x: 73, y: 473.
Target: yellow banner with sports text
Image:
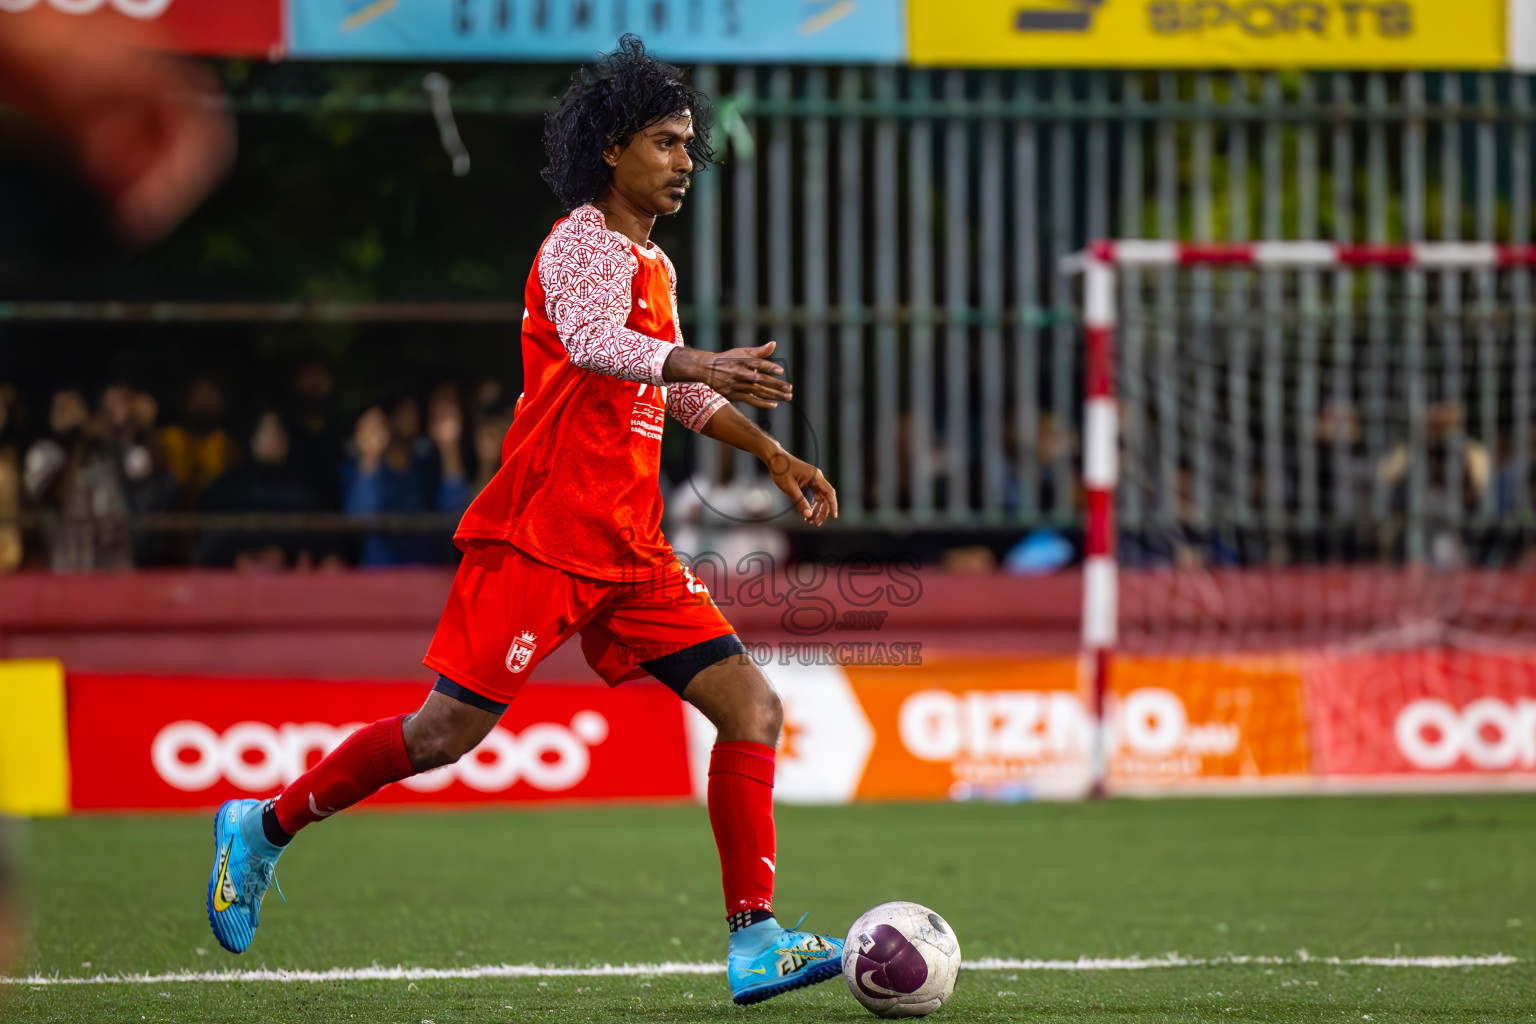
x: 1209, y: 33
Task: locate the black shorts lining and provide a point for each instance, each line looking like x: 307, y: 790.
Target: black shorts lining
x: 448, y: 688
x: 677, y: 669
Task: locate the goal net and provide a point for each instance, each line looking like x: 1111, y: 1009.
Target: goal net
x: 1312, y: 548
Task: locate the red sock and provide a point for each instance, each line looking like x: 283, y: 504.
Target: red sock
x: 365, y: 763
x: 741, y: 813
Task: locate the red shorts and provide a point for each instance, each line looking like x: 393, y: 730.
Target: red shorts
x: 507, y: 611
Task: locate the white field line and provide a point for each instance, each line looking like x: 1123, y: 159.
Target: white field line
x: 377, y: 973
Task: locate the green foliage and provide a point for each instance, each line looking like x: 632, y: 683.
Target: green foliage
x: 343, y: 191
x: 1377, y: 155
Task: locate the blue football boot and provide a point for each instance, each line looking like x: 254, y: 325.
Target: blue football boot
x: 243, y: 866
x: 767, y: 960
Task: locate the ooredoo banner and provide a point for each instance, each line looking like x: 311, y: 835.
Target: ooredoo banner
x: 1424, y: 713
x: 576, y: 30
x: 1210, y: 33
x: 933, y: 728
x: 225, y: 28
x: 145, y: 742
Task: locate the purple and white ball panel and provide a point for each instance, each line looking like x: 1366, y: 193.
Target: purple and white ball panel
x: 901, y: 960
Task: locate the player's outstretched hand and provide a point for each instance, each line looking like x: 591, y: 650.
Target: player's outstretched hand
x: 795, y: 477
x: 740, y: 374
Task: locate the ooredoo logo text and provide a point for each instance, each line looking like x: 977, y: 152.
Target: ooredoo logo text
x: 1489, y: 734
x: 143, y: 10
x: 258, y: 757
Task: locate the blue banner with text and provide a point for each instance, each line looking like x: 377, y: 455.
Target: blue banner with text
x: 736, y: 31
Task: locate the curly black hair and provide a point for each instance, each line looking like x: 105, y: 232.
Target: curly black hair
x: 626, y: 91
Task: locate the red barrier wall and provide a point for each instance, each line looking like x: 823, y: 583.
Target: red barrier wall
x: 378, y: 623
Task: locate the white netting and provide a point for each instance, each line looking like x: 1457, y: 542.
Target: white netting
x: 1332, y: 472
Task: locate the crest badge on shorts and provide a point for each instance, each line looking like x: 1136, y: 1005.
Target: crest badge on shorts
x: 521, y: 651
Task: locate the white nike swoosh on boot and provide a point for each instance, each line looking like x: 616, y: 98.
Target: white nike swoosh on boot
x: 765, y: 860
x: 314, y: 808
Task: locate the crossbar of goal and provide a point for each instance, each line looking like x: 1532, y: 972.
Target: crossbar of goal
x: 1098, y: 263
x: 1301, y: 255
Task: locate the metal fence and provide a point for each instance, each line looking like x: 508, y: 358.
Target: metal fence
x: 1286, y: 416
x: 902, y: 231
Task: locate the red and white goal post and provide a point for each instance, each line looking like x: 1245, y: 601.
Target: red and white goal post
x: 1320, y: 454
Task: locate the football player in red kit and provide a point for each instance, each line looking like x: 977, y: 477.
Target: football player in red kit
x: 565, y: 540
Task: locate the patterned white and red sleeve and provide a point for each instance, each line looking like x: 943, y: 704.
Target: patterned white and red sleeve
x: 692, y: 404
x: 587, y: 281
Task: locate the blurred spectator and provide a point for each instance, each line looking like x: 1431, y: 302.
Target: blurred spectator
x: 907, y: 447
x: 1177, y: 530
x: 1443, y: 503
x: 130, y: 421
x: 1053, y: 443
x: 1511, y: 471
x: 263, y: 483
x: 198, y: 449
x: 445, y: 428
x: 395, y: 470
x: 490, y: 398
x: 490, y: 432
x: 75, y: 478
x: 10, y: 479
x: 1344, y: 471
x: 48, y: 456
x: 148, y: 483
x: 315, y: 447
x: 970, y: 559
x: 1444, y: 430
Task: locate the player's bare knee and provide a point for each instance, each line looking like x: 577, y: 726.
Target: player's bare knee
x: 427, y: 752
x: 431, y: 744
x: 757, y: 715
x: 770, y: 712
x: 444, y: 730
x: 441, y: 751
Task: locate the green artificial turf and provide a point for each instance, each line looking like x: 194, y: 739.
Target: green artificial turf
x: 1344, y: 877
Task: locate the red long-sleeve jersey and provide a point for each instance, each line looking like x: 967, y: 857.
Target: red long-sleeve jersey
x: 578, y: 485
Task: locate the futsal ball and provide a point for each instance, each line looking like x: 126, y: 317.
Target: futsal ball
x: 901, y: 960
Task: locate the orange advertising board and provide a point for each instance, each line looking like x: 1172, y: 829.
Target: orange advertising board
x: 1020, y: 727
x: 1189, y: 718
x: 954, y: 728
